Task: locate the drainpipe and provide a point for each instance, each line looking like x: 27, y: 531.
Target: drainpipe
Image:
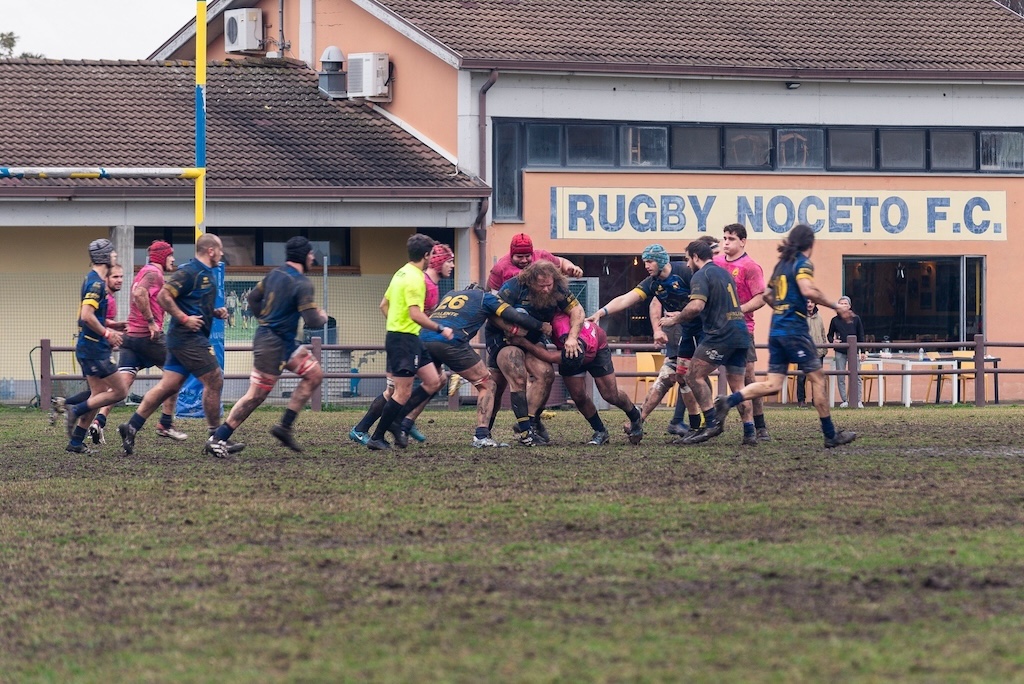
x: 280, y: 28
x: 479, y: 226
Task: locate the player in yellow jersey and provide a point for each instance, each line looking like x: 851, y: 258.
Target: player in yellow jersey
x: 406, y: 358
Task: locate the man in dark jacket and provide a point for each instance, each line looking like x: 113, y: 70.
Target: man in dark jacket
x: 838, y: 331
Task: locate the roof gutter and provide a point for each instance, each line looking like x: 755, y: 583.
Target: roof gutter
x: 280, y: 194
x: 967, y: 76
x: 480, y: 225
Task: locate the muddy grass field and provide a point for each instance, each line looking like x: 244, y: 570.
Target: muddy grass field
x: 899, y: 557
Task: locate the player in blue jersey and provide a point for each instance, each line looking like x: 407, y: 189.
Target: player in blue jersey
x: 189, y: 297
x: 668, y: 282
x: 541, y: 290
x: 725, y: 342
x: 465, y: 311
x: 279, y: 300
x: 789, y: 341
x: 93, y: 349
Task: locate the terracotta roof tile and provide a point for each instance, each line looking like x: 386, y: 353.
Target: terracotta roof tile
x: 267, y: 127
x: 926, y: 37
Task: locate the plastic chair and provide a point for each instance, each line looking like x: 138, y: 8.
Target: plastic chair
x: 647, y: 362
x: 964, y: 378
x: 869, y: 380
x: 941, y: 379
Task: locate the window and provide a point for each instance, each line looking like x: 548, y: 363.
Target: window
x: 183, y: 240
x: 851, y: 149
x: 953, y: 150
x: 748, y: 148
x: 800, y: 148
x: 588, y: 145
x: 544, y: 144
x: 917, y: 298
x: 239, y: 246
x: 1002, y: 151
x: 696, y: 147
x: 644, y: 146
x: 901, y: 149
x: 507, y: 171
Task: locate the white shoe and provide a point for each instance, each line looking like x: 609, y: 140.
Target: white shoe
x: 485, y: 442
x: 860, y: 404
x: 171, y: 433
x: 844, y: 405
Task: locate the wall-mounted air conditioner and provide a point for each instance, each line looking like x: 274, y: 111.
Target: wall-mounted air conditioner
x: 368, y: 75
x: 243, y: 30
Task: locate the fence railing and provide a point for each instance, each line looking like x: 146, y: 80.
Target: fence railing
x: 981, y: 369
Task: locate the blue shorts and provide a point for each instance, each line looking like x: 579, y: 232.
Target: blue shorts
x: 787, y: 349
x: 192, y: 356
x: 733, y: 358
x: 98, y: 368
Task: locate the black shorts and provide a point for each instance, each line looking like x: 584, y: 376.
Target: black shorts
x: 733, y: 358
x: 405, y: 354
x: 598, y: 368
x: 138, y: 353
x: 270, y: 352
x: 194, y: 355
x: 459, y: 356
x: 798, y: 349
x: 96, y: 368
x: 751, y: 351
x: 494, y: 341
x: 690, y: 333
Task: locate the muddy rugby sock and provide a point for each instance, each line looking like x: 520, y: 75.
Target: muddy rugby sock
x: 759, y: 421
x: 372, y: 414
x: 827, y: 427
x: 596, y: 422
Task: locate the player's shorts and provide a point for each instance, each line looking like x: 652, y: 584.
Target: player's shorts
x: 193, y: 355
x: 459, y: 356
x: 598, y: 368
x: 138, y: 353
x: 733, y: 358
x: 270, y: 352
x: 690, y: 332
x: 494, y: 341
x: 798, y: 349
x: 96, y: 368
x: 752, y: 350
x: 405, y: 354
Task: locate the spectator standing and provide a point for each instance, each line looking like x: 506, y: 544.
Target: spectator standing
x: 816, y: 327
x: 838, y: 330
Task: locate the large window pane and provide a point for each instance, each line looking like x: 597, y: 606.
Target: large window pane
x: 1002, y: 151
x: 696, y: 147
x: 644, y: 145
x: 851, y: 149
x: 748, y: 148
x: 954, y: 150
x: 588, y: 145
x: 901, y: 149
x: 333, y: 244
x: 507, y: 172
x: 239, y: 246
x: 910, y: 299
x: 544, y: 144
x: 182, y: 239
x: 800, y: 148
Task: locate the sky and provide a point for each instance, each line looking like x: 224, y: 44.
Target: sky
x: 93, y: 29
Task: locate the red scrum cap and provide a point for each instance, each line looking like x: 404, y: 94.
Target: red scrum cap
x: 439, y: 255
x: 521, y: 244
x: 159, y: 251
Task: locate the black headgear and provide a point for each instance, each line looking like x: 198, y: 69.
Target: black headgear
x: 571, y: 365
x: 297, y: 248
x: 100, y: 251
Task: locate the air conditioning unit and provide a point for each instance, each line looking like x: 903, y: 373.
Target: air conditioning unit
x: 368, y: 75
x: 243, y: 30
